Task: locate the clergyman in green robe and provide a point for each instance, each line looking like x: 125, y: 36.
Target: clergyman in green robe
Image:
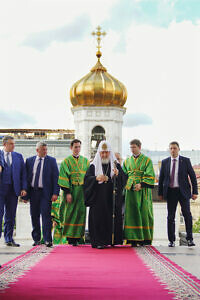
x: 138, y: 225
x: 72, y: 210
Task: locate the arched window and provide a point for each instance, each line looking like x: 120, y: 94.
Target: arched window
x: 98, y: 135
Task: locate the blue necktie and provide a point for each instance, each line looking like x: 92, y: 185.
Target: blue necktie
x: 7, y: 159
x: 37, y: 174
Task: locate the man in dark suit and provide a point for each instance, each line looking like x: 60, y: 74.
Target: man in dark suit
x: 42, y: 177
x: 174, y: 186
x: 12, y: 185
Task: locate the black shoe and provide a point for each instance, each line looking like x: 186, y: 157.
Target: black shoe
x: 141, y: 243
x: 36, y: 243
x: 191, y: 243
x: 48, y: 244
x: 171, y: 244
x: 146, y: 243
x: 75, y: 243
x: 100, y: 247
x: 134, y: 244
x: 12, y: 244
x: 94, y: 246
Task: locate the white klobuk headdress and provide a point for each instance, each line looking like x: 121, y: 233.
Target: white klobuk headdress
x: 103, y: 146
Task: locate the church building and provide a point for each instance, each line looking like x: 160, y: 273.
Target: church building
x: 98, y: 107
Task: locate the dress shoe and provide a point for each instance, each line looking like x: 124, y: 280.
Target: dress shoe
x: 191, y: 243
x: 100, y: 247
x: 12, y: 244
x: 75, y: 244
x: 36, y: 243
x: 48, y: 244
x: 134, y: 244
x: 171, y: 244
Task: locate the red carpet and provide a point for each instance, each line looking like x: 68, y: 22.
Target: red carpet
x: 84, y: 273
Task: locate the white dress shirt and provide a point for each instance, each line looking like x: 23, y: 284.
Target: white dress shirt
x: 176, y: 184
x: 9, y: 155
x: 37, y: 160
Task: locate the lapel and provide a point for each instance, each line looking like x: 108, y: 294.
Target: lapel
x: 14, y: 162
x: 180, y: 165
x: 168, y: 165
x: 44, y: 168
x: 32, y: 162
x: 30, y: 175
x: 2, y: 158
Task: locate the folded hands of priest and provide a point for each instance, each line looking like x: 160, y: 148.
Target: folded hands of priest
x: 102, y: 178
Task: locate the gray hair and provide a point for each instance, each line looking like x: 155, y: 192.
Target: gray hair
x: 40, y: 144
x: 6, y: 138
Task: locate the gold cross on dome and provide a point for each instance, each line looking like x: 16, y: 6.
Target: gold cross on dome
x: 99, y: 33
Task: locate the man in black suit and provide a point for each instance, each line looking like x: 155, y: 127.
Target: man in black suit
x: 174, y: 186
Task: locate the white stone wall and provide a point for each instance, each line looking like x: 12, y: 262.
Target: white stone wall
x: 110, y: 118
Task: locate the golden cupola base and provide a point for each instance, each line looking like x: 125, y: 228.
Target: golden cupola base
x: 98, y: 88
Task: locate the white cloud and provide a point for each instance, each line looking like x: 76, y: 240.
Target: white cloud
x: 160, y: 68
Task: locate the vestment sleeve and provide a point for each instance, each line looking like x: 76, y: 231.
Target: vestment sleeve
x: 148, y: 175
x: 64, y: 175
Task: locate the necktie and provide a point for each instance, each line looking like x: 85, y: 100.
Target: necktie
x: 7, y: 159
x: 173, y: 173
x: 37, y: 174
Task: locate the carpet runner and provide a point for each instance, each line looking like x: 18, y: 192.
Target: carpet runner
x: 77, y: 273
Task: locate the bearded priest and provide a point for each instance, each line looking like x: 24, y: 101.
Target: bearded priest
x: 103, y: 186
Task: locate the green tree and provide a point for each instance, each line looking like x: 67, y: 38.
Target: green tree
x: 196, y: 226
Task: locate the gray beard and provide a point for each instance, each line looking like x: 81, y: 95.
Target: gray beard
x: 105, y: 160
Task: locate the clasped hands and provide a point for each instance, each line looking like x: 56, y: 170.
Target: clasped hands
x: 104, y: 178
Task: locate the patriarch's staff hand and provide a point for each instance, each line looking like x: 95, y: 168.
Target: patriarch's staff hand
x: 194, y: 197
x: 160, y: 198
x: 116, y: 171
x: 69, y: 198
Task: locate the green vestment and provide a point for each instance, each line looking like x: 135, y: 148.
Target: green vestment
x: 138, y: 224
x: 58, y: 212
x: 71, y: 217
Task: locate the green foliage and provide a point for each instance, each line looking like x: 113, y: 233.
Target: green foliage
x: 196, y: 226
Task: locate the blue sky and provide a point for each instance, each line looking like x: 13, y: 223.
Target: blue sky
x: 151, y: 46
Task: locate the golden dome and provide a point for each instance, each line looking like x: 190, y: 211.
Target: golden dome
x: 98, y: 88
